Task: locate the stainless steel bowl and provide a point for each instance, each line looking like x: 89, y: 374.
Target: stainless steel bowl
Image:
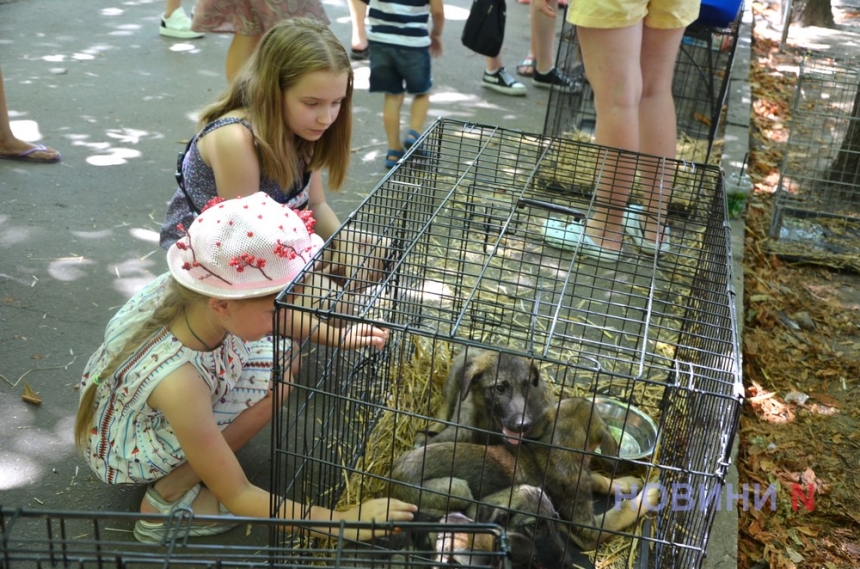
x: 635, y: 431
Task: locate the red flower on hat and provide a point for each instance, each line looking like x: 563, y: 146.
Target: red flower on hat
x: 307, y: 217
x: 247, y: 260
x: 211, y: 203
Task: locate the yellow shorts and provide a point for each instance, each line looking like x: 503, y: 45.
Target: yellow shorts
x: 660, y: 14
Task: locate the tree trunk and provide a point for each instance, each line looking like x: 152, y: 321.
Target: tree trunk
x: 845, y: 169
x: 813, y: 13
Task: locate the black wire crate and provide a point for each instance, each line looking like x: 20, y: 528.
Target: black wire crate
x: 816, y: 208
x: 50, y: 538
x: 700, y: 85
x: 455, y: 261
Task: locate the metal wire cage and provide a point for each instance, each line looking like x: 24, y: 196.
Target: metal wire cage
x: 699, y: 87
x: 43, y: 538
x: 456, y: 254
x: 816, y: 208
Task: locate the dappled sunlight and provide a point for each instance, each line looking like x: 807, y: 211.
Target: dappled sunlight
x: 111, y: 11
x: 17, y: 470
x: 10, y: 236
x: 147, y: 235
x: 92, y: 234
x: 178, y: 47
x: 361, y: 77
x: 68, y: 269
x: 114, y: 157
x: 456, y: 13
x: 26, y: 130
x: 107, y: 154
x: 132, y: 136
x: 453, y: 97
x: 132, y: 275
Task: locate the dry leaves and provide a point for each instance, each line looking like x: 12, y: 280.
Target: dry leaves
x: 801, y: 347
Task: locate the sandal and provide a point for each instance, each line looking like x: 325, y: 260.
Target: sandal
x: 411, y: 138
x: 359, y: 54
x: 179, y: 524
x: 633, y: 227
x: 392, y: 157
x: 526, y: 67
x: 572, y: 237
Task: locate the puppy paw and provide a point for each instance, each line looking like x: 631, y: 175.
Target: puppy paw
x: 626, y: 484
x: 651, y: 496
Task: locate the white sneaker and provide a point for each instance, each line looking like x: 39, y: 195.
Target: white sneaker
x: 178, y: 25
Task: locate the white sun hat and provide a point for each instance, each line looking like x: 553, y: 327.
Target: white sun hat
x: 243, y: 247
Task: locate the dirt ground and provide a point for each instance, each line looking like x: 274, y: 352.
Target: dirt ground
x: 801, y: 346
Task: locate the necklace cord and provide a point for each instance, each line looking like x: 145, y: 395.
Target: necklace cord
x: 193, y: 333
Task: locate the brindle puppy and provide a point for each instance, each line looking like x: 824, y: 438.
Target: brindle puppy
x: 449, y: 476
x: 491, y: 396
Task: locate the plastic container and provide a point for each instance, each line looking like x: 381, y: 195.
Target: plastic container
x: 718, y: 13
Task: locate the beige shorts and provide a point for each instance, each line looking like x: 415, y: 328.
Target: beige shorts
x: 611, y: 14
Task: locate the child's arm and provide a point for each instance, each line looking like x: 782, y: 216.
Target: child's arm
x: 232, y: 155
x: 437, y: 12
x: 300, y: 325
x: 185, y: 401
x: 327, y: 221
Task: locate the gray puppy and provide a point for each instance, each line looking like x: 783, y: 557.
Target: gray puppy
x: 535, y: 536
x: 491, y: 396
x: 449, y: 476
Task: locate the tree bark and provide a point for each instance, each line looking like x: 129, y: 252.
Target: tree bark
x: 813, y: 13
x: 845, y: 169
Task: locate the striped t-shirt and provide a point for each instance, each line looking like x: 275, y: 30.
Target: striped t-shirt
x: 402, y: 23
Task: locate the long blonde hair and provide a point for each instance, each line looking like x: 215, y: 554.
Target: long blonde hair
x: 286, y: 53
x: 177, y: 299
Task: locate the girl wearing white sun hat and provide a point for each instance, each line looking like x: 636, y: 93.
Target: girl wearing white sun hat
x: 182, y: 379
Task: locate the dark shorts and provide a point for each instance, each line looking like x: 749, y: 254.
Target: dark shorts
x: 391, y: 67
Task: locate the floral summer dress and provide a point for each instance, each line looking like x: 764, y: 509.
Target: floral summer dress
x: 130, y: 442
x: 251, y: 17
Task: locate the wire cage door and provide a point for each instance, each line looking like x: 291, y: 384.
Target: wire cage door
x: 458, y: 253
x: 51, y: 538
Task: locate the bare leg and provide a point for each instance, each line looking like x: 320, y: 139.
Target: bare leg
x: 357, y: 13
x: 657, y: 123
x: 239, y: 53
x: 391, y: 120
x: 170, y: 6
x: 418, y: 111
x: 543, y: 37
x: 10, y: 145
x: 611, y: 59
x: 174, y: 485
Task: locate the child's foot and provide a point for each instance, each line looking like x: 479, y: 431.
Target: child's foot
x: 392, y: 157
x: 203, y: 502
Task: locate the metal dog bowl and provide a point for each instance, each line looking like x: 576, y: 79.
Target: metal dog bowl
x: 635, y: 431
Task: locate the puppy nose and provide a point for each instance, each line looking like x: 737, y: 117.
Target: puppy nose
x: 525, y: 425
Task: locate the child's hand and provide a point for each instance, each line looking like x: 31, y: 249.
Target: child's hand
x: 379, y: 510
x: 365, y: 335
x: 435, y: 46
x: 543, y: 6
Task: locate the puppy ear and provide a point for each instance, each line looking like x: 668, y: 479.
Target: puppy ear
x: 521, y: 549
x: 487, y: 514
x: 473, y: 365
x: 534, y: 371
x: 608, y: 444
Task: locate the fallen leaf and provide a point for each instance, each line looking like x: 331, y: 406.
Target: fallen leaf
x: 825, y: 399
x: 30, y: 395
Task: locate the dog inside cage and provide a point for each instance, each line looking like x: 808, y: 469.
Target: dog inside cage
x: 522, y: 384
